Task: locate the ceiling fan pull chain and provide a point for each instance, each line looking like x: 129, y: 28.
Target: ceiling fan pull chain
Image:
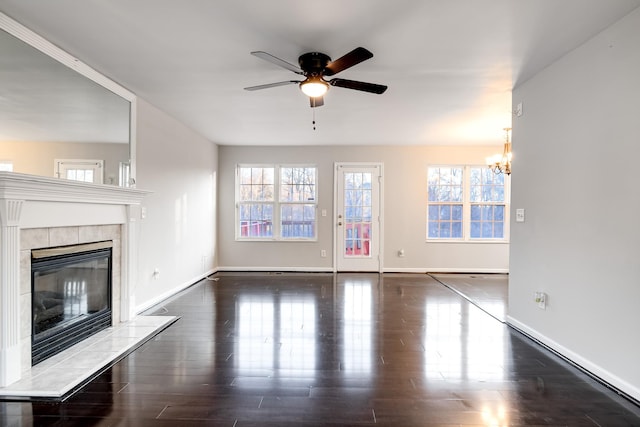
x: 313, y: 122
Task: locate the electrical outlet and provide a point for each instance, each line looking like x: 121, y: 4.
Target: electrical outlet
x: 541, y: 300
x: 323, y: 253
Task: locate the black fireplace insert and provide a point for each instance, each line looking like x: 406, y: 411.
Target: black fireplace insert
x: 71, y: 296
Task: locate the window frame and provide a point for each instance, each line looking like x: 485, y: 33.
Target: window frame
x: 454, y: 190
x: 276, y: 203
x: 466, y: 208
x: 6, y: 165
x: 61, y: 166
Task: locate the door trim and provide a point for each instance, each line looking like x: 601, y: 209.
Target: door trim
x: 336, y: 243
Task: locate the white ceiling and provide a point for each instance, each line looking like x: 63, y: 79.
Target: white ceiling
x: 450, y: 64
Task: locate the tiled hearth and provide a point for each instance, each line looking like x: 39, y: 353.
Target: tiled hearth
x: 37, y: 212
x: 62, y: 373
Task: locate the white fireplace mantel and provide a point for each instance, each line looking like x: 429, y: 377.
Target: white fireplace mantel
x: 37, y: 188
x: 28, y: 201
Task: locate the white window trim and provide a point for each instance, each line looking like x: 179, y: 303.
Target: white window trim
x: 60, y: 165
x: 466, y: 209
x: 6, y: 165
x: 276, y: 203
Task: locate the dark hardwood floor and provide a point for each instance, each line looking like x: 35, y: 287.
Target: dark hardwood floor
x: 332, y: 350
x: 489, y: 292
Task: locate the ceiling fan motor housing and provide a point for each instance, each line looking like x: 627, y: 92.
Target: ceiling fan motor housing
x: 313, y: 63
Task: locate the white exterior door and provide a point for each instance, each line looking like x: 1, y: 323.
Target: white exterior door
x: 357, y: 217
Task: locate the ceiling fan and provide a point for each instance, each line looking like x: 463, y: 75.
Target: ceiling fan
x: 314, y: 66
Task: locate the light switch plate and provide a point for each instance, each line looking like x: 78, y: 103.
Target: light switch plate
x: 518, y: 110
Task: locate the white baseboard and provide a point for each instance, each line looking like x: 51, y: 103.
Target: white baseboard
x: 405, y: 270
x: 283, y: 269
x: 581, y: 362
x: 447, y: 270
x: 469, y: 270
x: 384, y: 270
x: 157, y: 300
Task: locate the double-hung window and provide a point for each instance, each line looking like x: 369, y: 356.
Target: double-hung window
x: 466, y: 203
x: 487, y: 204
x: 79, y: 170
x: 276, y: 202
x: 445, y: 193
x: 6, y: 166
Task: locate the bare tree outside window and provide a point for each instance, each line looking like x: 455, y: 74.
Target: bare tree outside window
x: 290, y: 216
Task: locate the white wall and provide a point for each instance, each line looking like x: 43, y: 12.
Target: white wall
x: 178, y: 234
x: 576, y: 151
x: 404, y: 216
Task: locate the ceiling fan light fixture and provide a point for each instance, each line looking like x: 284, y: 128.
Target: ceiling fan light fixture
x: 314, y: 67
x: 314, y: 86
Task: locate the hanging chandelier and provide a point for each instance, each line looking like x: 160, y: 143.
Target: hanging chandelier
x: 501, y: 163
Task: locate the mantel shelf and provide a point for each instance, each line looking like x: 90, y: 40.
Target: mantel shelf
x: 17, y: 186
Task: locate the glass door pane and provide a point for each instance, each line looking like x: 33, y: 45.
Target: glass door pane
x: 357, y: 214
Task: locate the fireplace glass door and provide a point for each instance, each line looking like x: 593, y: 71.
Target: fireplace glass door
x: 71, y: 299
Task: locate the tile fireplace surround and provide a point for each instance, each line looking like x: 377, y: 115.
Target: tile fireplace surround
x: 37, y: 212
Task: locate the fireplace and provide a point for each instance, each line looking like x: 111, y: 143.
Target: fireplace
x: 71, y: 296
x: 38, y: 212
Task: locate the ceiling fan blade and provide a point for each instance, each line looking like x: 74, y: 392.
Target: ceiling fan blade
x: 279, y: 62
x: 268, y: 85
x: 352, y: 58
x: 317, y: 101
x: 363, y: 86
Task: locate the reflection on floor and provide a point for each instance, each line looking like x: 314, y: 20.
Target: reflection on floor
x: 487, y: 291
x: 333, y: 350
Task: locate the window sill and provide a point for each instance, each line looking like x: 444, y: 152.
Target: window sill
x: 473, y: 242
x: 270, y: 240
